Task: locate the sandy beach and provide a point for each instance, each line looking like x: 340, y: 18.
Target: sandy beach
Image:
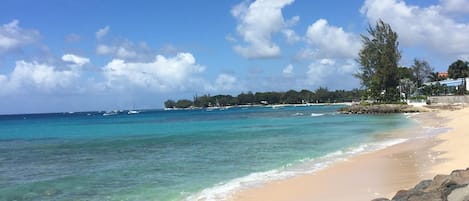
x: 381, y: 173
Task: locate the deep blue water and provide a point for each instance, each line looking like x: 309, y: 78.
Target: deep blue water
x: 171, y: 155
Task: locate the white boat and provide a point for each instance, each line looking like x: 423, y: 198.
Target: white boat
x: 133, y: 112
x: 109, y: 113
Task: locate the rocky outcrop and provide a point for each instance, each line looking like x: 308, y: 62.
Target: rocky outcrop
x: 453, y: 187
x: 380, y: 109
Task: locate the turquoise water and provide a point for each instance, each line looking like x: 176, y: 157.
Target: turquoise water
x: 174, y: 155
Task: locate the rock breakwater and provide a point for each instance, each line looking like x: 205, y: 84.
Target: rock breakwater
x: 453, y: 187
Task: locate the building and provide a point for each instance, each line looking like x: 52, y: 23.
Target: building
x: 443, y: 75
x: 456, y: 83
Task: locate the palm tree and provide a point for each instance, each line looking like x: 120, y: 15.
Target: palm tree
x: 434, y: 77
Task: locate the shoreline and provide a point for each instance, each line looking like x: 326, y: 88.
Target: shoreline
x: 378, y: 173
x: 261, y: 105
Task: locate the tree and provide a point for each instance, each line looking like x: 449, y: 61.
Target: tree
x: 292, y: 97
x: 405, y: 73
x: 434, y: 77
x: 322, y: 95
x: 421, y: 69
x: 458, y: 69
x: 184, y: 103
x: 306, y: 95
x: 202, y: 101
x: 169, y: 104
x: 408, y: 87
x: 246, y: 99
x: 379, y: 60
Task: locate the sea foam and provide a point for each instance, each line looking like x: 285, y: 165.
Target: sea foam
x: 223, y: 191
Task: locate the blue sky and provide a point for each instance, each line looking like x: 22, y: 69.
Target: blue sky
x: 66, y: 55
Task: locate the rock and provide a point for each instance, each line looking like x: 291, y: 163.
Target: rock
x: 380, y: 109
x: 459, y: 194
x: 381, y: 199
x: 453, y: 187
x: 423, y: 185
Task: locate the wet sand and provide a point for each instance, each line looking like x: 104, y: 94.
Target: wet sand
x: 381, y: 173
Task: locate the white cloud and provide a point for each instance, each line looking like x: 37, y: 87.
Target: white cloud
x: 37, y: 76
x: 80, y: 61
x: 331, y: 41
x: 331, y: 51
x: 328, y: 62
x: 126, y: 50
x: 224, y: 82
x: 332, y: 73
x: 292, y: 21
x: 455, y: 6
x: 291, y: 36
x: 161, y: 74
x: 288, y: 70
x: 123, y: 52
x: 102, y: 32
x: 257, y: 22
x: 318, y: 70
x: 429, y: 27
x: 104, y: 49
x: 349, y: 66
x: 12, y: 36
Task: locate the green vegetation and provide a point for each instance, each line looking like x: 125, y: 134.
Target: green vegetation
x: 412, y: 78
x: 320, y: 95
x: 379, y: 60
x: 458, y: 69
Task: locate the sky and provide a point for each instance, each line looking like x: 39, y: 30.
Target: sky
x: 67, y: 55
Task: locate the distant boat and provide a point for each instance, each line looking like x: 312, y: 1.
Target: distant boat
x: 114, y: 112
x: 133, y: 112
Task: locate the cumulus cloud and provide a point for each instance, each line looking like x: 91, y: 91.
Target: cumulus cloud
x: 291, y: 36
x: 428, y: 26
x: 28, y: 76
x: 331, y: 52
x: 328, y: 71
x: 102, y: 32
x: 331, y: 41
x: 257, y: 22
x: 455, y: 6
x: 224, y: 82
x: 126, y: 50
x: 80, y: 61
x: 161, y: 74
x: 13, y: 37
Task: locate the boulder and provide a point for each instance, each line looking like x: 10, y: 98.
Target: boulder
x: 453, y: 187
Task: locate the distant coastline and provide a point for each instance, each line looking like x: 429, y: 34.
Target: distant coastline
x: 261, y: 105
x: 291, y: 98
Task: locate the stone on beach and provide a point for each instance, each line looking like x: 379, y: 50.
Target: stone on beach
x: 453, y: 187
x: 381, y: 109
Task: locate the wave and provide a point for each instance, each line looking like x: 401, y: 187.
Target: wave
x: 298, y: 114
x: 317, y: 114
x: 223, y: 191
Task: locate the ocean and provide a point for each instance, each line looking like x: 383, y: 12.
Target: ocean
x: 177, y: 155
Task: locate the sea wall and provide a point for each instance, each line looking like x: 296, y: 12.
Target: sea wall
x: 453, y: 187
x: 448, y: 99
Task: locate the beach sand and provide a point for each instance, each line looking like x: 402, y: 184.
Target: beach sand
x: 381, y: 173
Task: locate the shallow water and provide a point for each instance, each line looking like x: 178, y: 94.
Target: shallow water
x: 174, y: 155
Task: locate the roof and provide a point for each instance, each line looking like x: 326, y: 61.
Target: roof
x: 448, y: 82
